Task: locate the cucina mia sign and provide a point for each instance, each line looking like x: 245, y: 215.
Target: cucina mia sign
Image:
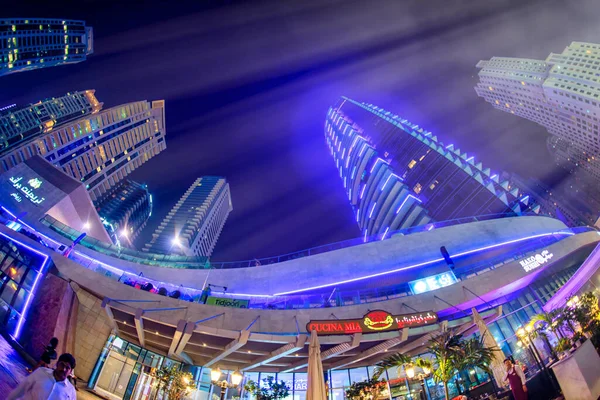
x: 374, y: 321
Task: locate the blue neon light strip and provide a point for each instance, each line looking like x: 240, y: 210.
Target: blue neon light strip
x: 39, y: 273
x: 421, y: 264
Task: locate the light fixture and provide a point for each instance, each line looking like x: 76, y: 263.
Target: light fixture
x: 426, y: 370
x: 529, y: 328
x: 176, y: 241
x: 124, y: 233
x: 236, y: 378
x: 87, y: 225
x: 521, y: 332
x: 215, y: 374
x: 410, y: 372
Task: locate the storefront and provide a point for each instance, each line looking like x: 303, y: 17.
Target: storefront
x: 125, y: 371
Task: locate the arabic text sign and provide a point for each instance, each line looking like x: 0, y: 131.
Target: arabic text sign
x: 27, y: 190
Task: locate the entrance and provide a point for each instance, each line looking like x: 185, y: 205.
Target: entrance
x: 127, y: 371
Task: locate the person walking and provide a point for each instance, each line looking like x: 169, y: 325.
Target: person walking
x: 516, y: 378
x: 47, y: 384
x: 48, y: 355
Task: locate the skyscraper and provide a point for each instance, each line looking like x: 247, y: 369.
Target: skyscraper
x: 100, y: 149
x: 27, y: 44
x: 125, y: 210
x: 560, y: 93
x: 397, y: 175
x: 194, y: 224
x: 17, y: 124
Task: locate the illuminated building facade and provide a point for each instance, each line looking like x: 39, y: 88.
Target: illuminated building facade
x: 397, y: 175
x: 100, y: 149
x: 194, y: 224
x: 125, y: 210
x: 560, y: 93
x: 18, y: 124
x: 32, y: 43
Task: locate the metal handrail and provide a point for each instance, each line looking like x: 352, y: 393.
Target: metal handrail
x: 319, y: 300
x: 185, y: 262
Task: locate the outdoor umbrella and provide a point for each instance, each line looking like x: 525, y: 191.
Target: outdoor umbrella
x: 316, y: 382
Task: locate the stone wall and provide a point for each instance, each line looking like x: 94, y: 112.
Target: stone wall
x: 93, y: 329
x: 51, y: 315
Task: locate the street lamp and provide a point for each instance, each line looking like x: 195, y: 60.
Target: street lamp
x: 215, y: 375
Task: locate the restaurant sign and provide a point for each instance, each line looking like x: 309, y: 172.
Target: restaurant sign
x: 536, y: 260
x: 373, y: 322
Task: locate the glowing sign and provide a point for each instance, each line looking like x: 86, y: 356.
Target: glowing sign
x: 374, y: 321
x: 35, y: 183
x: 27, y: 189
x: 535, y: 261
x: 433, y: 282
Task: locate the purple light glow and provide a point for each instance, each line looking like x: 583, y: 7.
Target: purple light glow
x: 372, y: 209
x: 405, y: 200
x: 364, y: 146
x: 22, y: 315
x: 386, y: 182
x: 375, y: 164
x: 420, y: 264
x: 385, y: 233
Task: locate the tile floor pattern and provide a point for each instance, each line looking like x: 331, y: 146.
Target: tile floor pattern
x: 13, y: 370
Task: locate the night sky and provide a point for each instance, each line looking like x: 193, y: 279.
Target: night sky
x: 247, y: 86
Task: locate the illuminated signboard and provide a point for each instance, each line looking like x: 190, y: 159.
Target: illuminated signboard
x: 374, y: 321
x: 26, y: 190
x: 433, y: 282
x: 227, y: 302
x: 535, y: 261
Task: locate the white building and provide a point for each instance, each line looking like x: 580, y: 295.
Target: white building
x: 194, y: 224
x: 560, y: 93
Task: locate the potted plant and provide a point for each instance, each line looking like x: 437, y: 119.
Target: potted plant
x: 398, y: 361
x: 270, y: 390
x: 563, y: 346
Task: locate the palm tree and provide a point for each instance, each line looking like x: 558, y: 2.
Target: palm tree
x: 474, y: 354
x: 548, y: 321
x: 397, y: 360
x: 539, y: 332
x: 447, y: 352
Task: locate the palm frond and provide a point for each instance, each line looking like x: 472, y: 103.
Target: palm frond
x: 394, y: 361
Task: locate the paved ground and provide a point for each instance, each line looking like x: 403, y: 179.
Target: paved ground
x: 13, y: 370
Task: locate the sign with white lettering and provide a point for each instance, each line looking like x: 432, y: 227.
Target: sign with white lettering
x: 535, y: 261
x: 27, y: 190
x: 433, y: 282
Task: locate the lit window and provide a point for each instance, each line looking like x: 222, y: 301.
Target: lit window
x: 491, y: 88
x: 417, y: 188
x: 411, y: 164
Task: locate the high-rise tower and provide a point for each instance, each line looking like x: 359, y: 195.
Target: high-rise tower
x: 30, y: 43
x: 397, y: 175
x: 194, y: 224
x: 99, y: 149
x: 125, y: 210
x: 20, y: 123
x: 561, y: 93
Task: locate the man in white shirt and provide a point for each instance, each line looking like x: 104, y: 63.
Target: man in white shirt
x: 47, y: 384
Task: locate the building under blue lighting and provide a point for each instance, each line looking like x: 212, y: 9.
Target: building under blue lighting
x: 31, y: 43
x: 397, y: 175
